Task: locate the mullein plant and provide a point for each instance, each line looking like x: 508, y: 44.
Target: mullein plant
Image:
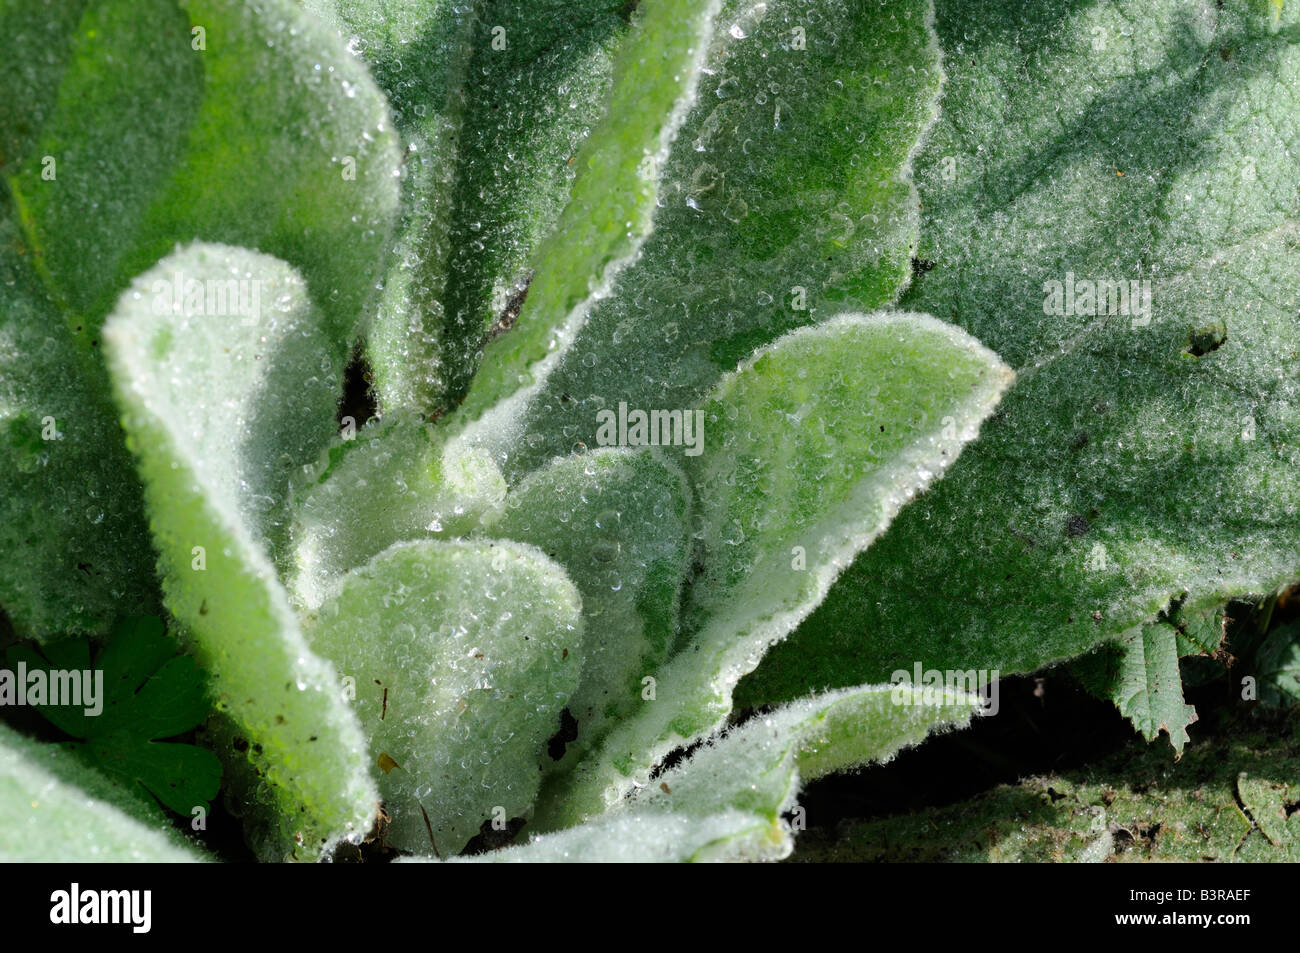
x: 670, y: 311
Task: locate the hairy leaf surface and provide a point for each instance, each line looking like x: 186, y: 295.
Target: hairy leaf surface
x: 494, y: 99
x: 54, y: 809
x: 127, y: 127
x: 462, y: 656
x: 616, y: 520
x: 218, y: 413
x: 726, y: 801
x: 786, y: 198
x: 1143, y: 457
x: 812, y: 447
x: 396, y: 479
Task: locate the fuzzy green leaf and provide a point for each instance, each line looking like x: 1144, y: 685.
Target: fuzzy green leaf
x: 74, y: 545
x: 616, y: 520
x: 219, y: 410
x: 494, y: 98
x: 395, y: 479
x: 610, y: 212
x: 54, y: 809
x: 264, y: 105
x: 726, y: 801
x: 786, y: 198
x: 1142, y: 457
x: 462, y: 655
x: 138, y: 125
x: 810, y: 449
x: 1271, y: 805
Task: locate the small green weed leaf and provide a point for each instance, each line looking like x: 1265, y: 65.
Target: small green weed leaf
x: 397, y: 478
x: 1271, y: 805
x: 1146, y: 452
x: 149, y: 693
x: 786, y: 198
x: 1202, y: 638
x: 480, y: 649
x: 219, y: 412
x: 1278, y: 664
x: 68, y: 655
x: 810, y: 449
x: 616, y: 520
x: 183, y: 777
x: 55, y: 809
x: 1201, y: 629
x: 1139, y: 672
x: 610, y: 211
x: 726, y: 801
